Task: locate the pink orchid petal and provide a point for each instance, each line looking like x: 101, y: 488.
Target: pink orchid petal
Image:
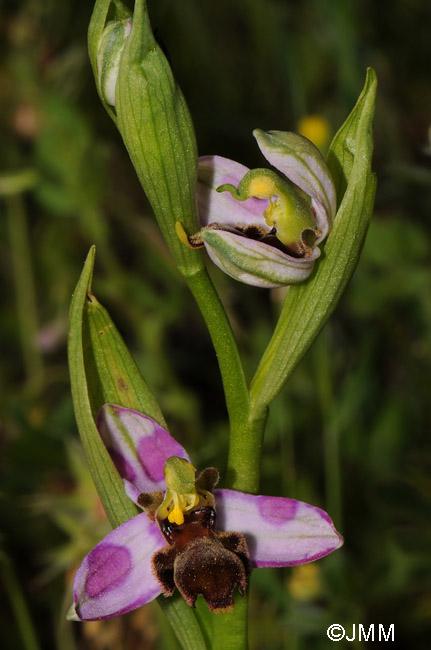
x: 254, y: 262
x: 302, y: 163
x: 221, y: 207
x: 116, y: 576
x: 279, y: 531
x: 139, y: 447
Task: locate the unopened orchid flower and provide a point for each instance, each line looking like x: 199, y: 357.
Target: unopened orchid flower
x: 260, y: 226
x: 190, y: 536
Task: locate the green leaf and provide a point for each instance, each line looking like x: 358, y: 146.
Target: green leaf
x: 109, y: 485
x: 103, y: 371
x: 183, y: 621
x: 308, y: 306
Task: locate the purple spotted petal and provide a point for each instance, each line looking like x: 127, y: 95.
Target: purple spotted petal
x: 139, y: 448
x: 116, y: 576
x: 221, y: 207
x: 279, y: 531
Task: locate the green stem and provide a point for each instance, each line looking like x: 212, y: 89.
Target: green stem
x: 220, y: 330
x: 25, y: 290
x: 183, y: 622
x: 245, y: 451
x: 19, y: 606
x: 229, y: 631
x: 246, y: 431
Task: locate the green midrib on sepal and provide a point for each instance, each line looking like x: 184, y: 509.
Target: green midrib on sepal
x: 269, y: 265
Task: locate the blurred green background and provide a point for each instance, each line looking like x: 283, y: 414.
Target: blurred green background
x: 347, y: 433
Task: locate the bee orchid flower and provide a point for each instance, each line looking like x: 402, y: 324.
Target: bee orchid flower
x: 260, y: 226
x: 189, y: 536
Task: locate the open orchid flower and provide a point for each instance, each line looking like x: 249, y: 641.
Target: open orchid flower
x: 184, y: 538
x: 261, y: 227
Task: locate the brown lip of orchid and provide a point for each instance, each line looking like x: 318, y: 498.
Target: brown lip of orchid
x: 197, y: 559
x: 176, y: 541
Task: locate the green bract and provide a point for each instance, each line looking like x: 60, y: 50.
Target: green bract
x: 308, y: 307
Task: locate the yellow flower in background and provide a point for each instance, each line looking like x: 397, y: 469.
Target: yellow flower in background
x: 304, y: 583
x: 317, y: 129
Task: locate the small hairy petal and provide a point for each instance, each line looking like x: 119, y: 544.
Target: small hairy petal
x: 116, y: 576
x: 221, y: 207
x: 139, y: 447
x: 279, y: 531
x: 254, y: 262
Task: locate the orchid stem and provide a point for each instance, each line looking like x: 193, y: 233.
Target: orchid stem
x: 25, y: 291
x: 220, y: 330
x: 19, y: 606
x: 245, y: 451
x: 246, y: 429
x: 229, y: 631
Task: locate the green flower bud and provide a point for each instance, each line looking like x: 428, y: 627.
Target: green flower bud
x: 139, y: 92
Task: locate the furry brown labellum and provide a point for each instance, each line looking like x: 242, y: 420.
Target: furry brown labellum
x: 197, y: 559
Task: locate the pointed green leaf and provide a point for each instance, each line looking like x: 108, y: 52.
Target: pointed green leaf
x: 308, y: 306
x: 109, y: 485
x: 183, y: 621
